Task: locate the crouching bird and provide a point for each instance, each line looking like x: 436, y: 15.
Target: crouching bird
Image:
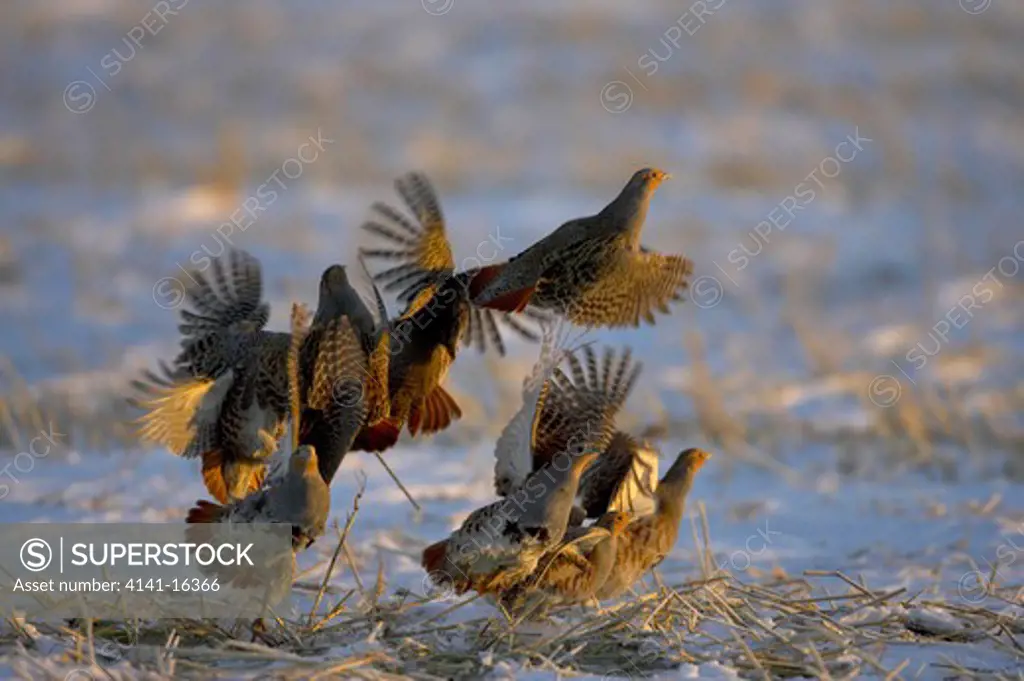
x: 500, y: 544
x: 592, y: 270
x: 574, y: 570
x: 300, y: 498
x: 646, y: 541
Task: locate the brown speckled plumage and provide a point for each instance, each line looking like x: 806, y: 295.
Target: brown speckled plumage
x: 574, y: 570
x: 500, y: 544
x: 648, y: 539
x: 592, y: 270
x: 437, y: 318
x: 225, y: 398
x: 338, y: 394
x: 345, y: 382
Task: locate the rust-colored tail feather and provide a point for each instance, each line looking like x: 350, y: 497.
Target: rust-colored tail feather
x: 434, y: 557
x: 204, y: 512
x: 436, y: 413
x: 482, y: 278
x: 516, y: 301
x: 378, y: 437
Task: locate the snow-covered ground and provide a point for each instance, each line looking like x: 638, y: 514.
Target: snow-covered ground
x: 854, y: 362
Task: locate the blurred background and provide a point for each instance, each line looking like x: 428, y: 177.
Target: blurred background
x: 847, y: 180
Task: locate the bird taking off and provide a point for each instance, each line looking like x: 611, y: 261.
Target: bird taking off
x: 592, y: 270
x: 438, y: 317
x: 585, y: 398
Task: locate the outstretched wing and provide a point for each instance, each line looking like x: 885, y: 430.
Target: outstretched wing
x: 423, y: 251
x: 173, y: 405
x: 426, y: 263
x: 635, y: 286
x: 622, y: 479
x: 226, y: 318
x: 231, y: 294
x: 203, y: 404
x: 513, y: 450
x: 582, y: 408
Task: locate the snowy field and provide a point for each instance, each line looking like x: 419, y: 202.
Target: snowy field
x: 846, y: 177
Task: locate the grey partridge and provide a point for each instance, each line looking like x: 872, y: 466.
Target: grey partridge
x: 648, y: 539
x: 593, y: 270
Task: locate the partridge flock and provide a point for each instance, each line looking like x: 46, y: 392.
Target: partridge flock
x: 348, y: 378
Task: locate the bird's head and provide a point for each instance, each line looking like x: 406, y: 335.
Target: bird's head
x: 334, y: 280
x: 337, y: 295
x: 303, y: 459
x: 679, y: 478
x: 688, y: 462
x: 630, y: 206
x: 649, y: 178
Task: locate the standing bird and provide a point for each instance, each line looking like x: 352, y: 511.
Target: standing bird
x: 225, y: 398
x: 574, y: 570
x: 592, y: 270
x: 500, y: 544
x: 648, y: 539
x: 438, y: 316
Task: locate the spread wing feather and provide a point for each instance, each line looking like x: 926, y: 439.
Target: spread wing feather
x: 622, y: 479
x: 582, y: 405
x: 424, y: 262
x: 635, y: 285
x: 513, y: 450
